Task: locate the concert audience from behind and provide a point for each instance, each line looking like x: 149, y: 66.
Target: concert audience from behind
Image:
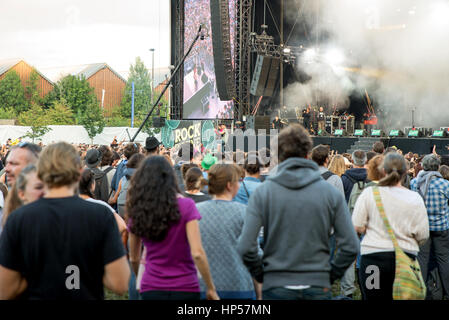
x: 86, y: 192
x: 320, y: 154
x: 370, y: 155
x: 152, y: 146
x: 194, y: 184
x: 251, y: 180
x: 265, y: 161
x: 26, y: 189
x: 119, y: 197
x: 128, y: 151
x: 378, y: 147
x: 294, y: 201
x: 433, y: 188
x: 36, y: 249
x: 185, y: 155
x: 444, y: 170
x: 337, y: 165
x: 106, y: 164
x: 406, y: 213
x: 167, y: 224
x: 220, y: 226
x: 208, y: 161
x: 357, y: 173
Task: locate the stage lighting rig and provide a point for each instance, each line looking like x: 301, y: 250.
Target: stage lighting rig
x: 264, y: 45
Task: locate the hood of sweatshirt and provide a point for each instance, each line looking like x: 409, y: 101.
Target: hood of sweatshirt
x: 296, y: 173
x: 358, y: 174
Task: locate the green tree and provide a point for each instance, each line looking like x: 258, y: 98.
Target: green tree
x: 93, y: 120
x: 60, y: 113
x: 140, y: 75
x: 12, y: 94
x: 8, y: 113
x: 36, y: 118
x: 31, y: 89
x: 77, y: 93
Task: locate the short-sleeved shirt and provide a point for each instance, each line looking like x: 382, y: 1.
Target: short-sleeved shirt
x: 47, y: 240
x: 169, y: 265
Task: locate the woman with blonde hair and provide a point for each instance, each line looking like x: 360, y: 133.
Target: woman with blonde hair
x: 337, y: 165
x: 60, y: 236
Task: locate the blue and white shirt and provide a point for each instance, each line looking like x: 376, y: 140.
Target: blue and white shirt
x: 436, y: 202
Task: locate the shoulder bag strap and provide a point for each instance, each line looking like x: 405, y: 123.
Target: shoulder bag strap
x: 380, y: 207
x: 246, y: 190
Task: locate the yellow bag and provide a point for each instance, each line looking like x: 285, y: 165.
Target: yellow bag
x: 408, y: 281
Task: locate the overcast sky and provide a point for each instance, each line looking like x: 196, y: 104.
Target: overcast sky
x: 56, y: 33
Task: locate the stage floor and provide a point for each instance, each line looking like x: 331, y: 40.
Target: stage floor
x: 343, y: 144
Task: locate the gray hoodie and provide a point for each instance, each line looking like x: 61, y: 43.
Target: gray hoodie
x: 298, y: 210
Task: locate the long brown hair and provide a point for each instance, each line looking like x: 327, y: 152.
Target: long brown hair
x: 395, y: 169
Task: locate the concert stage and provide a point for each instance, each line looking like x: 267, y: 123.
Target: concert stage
x: 343, y: 144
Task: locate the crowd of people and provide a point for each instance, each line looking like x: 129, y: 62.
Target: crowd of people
x: 161, y: 224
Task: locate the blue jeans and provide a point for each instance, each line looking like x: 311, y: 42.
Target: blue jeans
x: 133, y: 294
x: 312, y: 293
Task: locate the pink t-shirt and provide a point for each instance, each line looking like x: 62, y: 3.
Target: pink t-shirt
x: 169, y: 265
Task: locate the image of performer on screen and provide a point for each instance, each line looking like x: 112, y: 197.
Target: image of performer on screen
x: 321, y: 120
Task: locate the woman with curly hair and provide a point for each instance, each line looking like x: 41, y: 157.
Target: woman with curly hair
x: 167, y: 224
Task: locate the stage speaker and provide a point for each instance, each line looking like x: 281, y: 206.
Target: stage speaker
x: 158, y: 122
x: 265, y: 76
x: 396, y: 133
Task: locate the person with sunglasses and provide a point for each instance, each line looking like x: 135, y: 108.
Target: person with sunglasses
x: 19, y: 157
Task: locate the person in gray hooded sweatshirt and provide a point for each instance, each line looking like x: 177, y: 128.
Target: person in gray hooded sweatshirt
x: 297, y: 209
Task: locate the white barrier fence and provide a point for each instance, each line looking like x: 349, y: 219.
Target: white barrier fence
x: 73, y: 134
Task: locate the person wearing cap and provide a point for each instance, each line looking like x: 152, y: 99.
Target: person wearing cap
x: 152, y: 146
x: 92, y: 161
x: 208, y: 161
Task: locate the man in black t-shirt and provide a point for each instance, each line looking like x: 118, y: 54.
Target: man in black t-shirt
x: 60, y: 254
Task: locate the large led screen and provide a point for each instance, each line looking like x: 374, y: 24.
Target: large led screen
x: 201, y: 100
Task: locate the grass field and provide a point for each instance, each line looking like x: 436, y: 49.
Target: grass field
x: 108, y: 295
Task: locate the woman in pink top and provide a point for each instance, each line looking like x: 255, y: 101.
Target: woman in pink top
x: 167, y: 224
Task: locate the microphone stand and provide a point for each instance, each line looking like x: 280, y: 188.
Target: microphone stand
x: 198, y: 35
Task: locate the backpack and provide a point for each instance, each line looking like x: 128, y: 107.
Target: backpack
x: 357, y: 189
x: 326, y: 175
x: 121, y: 200
x: 101, y: 191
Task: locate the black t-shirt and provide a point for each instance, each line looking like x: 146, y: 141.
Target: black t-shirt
x: 277, y: 124
x: 42, y: 239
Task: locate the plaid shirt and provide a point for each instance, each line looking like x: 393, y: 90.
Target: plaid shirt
x: 436, y: 203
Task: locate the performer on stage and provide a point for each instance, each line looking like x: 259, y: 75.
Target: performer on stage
x: 321, y: 120
x: 277, y: 124
x: 306, y: 115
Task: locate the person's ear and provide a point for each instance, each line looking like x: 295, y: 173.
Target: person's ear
x: 21, y: 195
